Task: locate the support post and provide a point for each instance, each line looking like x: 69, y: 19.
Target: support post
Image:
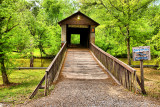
x: 46, y: 84
x: 135, y: 82
x: 142, y: 77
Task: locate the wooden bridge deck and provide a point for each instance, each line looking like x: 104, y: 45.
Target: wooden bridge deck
x: 83, y: 83
x: 80, y: 64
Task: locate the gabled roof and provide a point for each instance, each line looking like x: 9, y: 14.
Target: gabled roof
x: 71, y: 20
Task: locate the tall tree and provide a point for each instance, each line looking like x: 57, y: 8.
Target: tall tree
x: 125, y: 12
x: 9, y: 20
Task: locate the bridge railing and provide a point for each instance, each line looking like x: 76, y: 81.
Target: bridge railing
x: 54, y: 67
x: 125, y: 74
x: 51, y: 72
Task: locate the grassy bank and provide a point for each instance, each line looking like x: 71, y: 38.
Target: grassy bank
x: 24, y: 82
x: 151, y: 81
x: 36, y: 53
x: 153, y: 61
x: 151, y: 75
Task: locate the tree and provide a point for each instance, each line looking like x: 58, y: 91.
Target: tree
x: 125, y: 12
x: 156, y: 22
x: 9, y: 20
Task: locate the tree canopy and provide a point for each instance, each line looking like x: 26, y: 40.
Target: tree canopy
x: 29, y: 24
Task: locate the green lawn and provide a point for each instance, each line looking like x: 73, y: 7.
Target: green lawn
x: 151, y: 81
x: 25, y: 81
x: 36, y: 53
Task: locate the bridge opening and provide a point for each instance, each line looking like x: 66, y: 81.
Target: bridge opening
x: 81, y: 36
x: 75, y: 39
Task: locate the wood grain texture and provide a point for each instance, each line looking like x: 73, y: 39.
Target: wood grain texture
x: 121, y: 71
x: 80, y: 64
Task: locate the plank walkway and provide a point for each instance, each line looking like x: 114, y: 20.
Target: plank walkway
x: 83, y: 83
x: 80, y: 64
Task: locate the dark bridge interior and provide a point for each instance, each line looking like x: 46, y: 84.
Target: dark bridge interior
x: 84, y: 36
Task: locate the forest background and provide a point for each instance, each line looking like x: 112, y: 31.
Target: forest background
x: 29, y: 29
x: 26, y: 25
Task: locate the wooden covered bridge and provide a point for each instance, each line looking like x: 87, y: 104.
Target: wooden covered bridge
x: 86, y: 60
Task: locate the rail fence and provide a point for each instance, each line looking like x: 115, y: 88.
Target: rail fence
x: 51, y: 72
x: 125, y: 74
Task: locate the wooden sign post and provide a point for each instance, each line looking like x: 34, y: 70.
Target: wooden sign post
x: 139, y: 54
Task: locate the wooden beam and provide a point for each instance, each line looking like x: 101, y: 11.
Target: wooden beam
x: 19, y: 68
x: 36, y: 90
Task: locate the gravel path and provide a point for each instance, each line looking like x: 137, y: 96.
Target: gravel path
x: 88, y: 90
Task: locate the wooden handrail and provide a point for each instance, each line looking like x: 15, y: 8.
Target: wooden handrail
x: 38, y: 87
x: 51, y: 72
x: 49, y: 67
x: 54, y: 68
x: 125, y: 74
x: 115, y: 59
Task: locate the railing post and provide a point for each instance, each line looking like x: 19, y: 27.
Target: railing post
x: 135, y: 82
x: 46, y: 84
x: 119, y: 69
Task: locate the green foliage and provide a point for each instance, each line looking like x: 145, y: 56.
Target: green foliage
x: 115, y: 15
x: 75, y: 38
x: 26, y: 25
x: 29, y: 25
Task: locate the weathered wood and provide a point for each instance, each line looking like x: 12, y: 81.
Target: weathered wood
x: 41, y: 87
x: 80, y: 64
x: 36, y: 90
x: 113, y: 58
x: 142, y: 77
x: 51, y: 71
x: 46, y: 84
x: 121, y: 71
x: 55, y: 67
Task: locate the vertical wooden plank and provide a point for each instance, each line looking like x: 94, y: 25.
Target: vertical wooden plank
x: 135, y: 82
x: 112, y: 67
x: 119, y: 71
x: 142, y: 77
x: 46, y: 84
x: 130, y: 81
x: 125, y: 79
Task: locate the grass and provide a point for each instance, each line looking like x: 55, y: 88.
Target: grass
x: 24, y: 82
x: 151, y: 81
x: 36, y: 53
x: 153, y: 61
x: 151, y: 77
x: 37, y: 62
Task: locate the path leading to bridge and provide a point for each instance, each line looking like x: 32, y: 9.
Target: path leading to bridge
x: 84, y: 83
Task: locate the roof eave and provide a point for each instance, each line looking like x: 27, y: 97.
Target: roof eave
x: 60, y: 22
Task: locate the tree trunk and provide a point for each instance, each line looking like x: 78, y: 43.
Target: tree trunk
x: 128, y: 51
x: 31, y: 60
x: 31, y: 53
x: 128, y: 46
x: 3, y: 68
x: 4, y: 72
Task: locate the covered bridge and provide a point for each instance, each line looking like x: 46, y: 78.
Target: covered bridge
x: 78, y: 23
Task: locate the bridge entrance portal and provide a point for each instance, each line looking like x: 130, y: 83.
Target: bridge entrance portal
x: 81, y: 24
x: 84, y: 36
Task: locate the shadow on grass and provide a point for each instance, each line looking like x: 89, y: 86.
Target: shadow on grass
x: 23, y: 84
